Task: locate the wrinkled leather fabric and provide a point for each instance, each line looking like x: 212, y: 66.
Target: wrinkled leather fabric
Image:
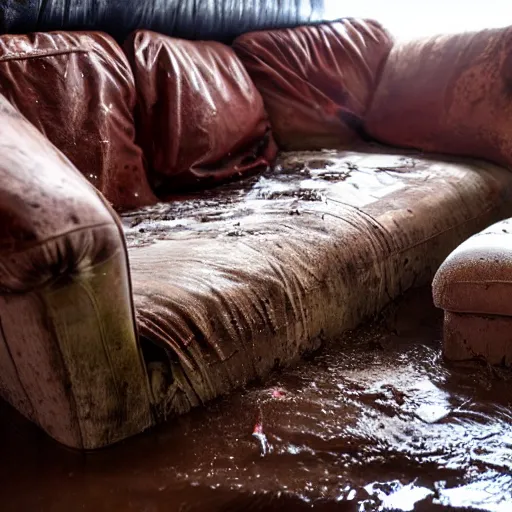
x: 69, y: 358
x: 477, y: 276
x: 190, y: 19
x: 448, y: 94
x: 235, y: 282
x: 317, y: 82
x: 78, y: 90
x: 200, y: 119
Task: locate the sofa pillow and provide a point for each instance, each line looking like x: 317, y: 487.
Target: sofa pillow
x: 200, y: 119
x: 77, y: 88
x: 317, y: 81
x: 448, y: 94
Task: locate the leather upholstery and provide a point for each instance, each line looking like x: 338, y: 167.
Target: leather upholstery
x: 477, y: 276
x: 69, y: 359
x: 448, y: 94
x: 228, y: 284
x: 236, y: 281
x: 78, y: 90
x: 317, y: 82
x: 200, y: 118
x: 474, y: 288
x: 220, y: 20
x: 483, y: 337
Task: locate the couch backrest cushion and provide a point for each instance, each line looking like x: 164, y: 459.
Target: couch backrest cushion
x: 317, y: 81
x: 77, y: 88
x: 448, y: 94
x: 200, y: 119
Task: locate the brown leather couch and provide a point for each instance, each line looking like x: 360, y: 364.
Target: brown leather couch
x: 135, y: 290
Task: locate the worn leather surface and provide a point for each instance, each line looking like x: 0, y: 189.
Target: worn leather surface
x: 483, y: 337
x: 200, y: 119
x: 191, y: 19
x: 477, y: 276
x: 78, y: 90
x: 68, y: 353
x: 448, y: 94
x: 42, y: 196
x: 317, y: 81
x: 237, y: 281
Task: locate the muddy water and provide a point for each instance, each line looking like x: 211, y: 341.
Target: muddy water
x: 378, y: 423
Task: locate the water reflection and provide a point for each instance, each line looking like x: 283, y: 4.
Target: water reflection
x: 402, y: 497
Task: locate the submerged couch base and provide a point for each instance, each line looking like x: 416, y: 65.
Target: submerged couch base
x: 251, y: 276
x: 474, y: 288
x: 470, y: 336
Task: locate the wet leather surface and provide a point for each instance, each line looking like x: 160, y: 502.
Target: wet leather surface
x: 448, y: 94
x: 78, y: 90
x: 220, y: 20
x: 200, y: 119
x: 477, y: 276
x: 480, y: 337
x: 317, y: 82
x: 67, y: 337
x: 42, y: 199
x: 235, y: 282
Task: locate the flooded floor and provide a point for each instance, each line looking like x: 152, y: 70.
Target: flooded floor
x: 378, y: 422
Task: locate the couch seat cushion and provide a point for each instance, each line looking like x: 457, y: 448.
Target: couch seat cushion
x: 477, y: 276
x: 250, y: 276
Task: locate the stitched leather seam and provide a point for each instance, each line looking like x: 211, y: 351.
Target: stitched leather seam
x: 37, y: 54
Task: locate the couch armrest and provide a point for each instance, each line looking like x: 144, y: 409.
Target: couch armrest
x: 69, y: 355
